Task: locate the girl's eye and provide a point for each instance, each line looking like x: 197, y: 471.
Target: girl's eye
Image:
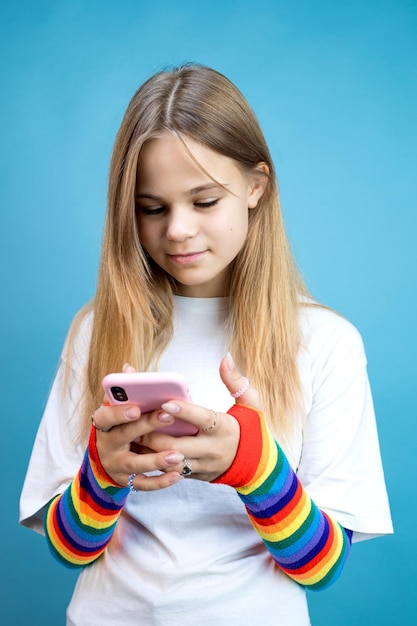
x: 207, y: 204
x: 151, y: 211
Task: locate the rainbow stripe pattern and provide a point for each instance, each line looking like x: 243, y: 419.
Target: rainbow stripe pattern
x: 80, y: 522
x: 305, y: 542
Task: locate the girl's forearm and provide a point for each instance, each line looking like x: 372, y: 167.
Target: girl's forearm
x: 305, y: 542
x: 80, y: 522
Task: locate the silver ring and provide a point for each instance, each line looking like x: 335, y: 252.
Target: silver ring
x: 130, y: 483
x: 242, y: 390
x: 213, y: 424
x: 187, y: 467
x: 102, y: 430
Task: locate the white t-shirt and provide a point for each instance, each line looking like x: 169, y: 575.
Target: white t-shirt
x: 188, y: 554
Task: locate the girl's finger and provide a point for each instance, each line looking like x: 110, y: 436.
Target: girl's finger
x: 238, y: 385
x: 204, y: 419
x: 106, y: 417
x: 136, y: 466
x: 127, y: 368
x: 140, y: 482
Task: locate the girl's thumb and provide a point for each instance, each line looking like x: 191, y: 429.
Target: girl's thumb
x: 238, y: 385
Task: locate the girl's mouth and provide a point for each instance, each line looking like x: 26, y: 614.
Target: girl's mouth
x: 186, y: 259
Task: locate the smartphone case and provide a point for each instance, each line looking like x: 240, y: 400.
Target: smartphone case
x: 149, y: 390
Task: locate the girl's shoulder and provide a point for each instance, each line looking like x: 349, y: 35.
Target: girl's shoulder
x: 326, y: 333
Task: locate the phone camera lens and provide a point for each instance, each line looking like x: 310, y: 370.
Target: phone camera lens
x: 119, y: 394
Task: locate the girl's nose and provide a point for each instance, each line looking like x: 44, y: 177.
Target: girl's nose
x: 181, y: 225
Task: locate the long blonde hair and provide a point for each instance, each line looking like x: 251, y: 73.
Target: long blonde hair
x: 134, y: 298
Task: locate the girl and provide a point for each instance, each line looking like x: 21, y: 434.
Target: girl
x: 233, y: 524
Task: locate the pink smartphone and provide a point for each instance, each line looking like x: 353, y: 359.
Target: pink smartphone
x: 149, y: 390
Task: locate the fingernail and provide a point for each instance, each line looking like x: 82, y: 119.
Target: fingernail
x: 132, y: 413
x: 165, y: 418
x: 174, y: 457
x: 230, y: 361
x: 171, y: 407
x: 174, y: 478
x: 125, y: 366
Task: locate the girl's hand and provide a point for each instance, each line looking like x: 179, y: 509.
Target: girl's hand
x: 212, y: 451
x: 116, y: 428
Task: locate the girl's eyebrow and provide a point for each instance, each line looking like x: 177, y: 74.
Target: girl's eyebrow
x: 207, y: 187
x: 151, y: 196
x: 191, y: 192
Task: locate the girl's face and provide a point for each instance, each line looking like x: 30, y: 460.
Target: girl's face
x: 190, y: 225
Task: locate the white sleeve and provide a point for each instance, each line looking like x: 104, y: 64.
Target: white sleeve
x: 57, y: 453
x: 340, y: 465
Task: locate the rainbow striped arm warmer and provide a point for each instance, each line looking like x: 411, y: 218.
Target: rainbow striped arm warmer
x: 80, y: 522
x: 306, y: 543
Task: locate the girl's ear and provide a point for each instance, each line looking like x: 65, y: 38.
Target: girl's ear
x: 258, y: 182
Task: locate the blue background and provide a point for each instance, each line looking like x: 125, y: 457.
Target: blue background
x: 334, y: 87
